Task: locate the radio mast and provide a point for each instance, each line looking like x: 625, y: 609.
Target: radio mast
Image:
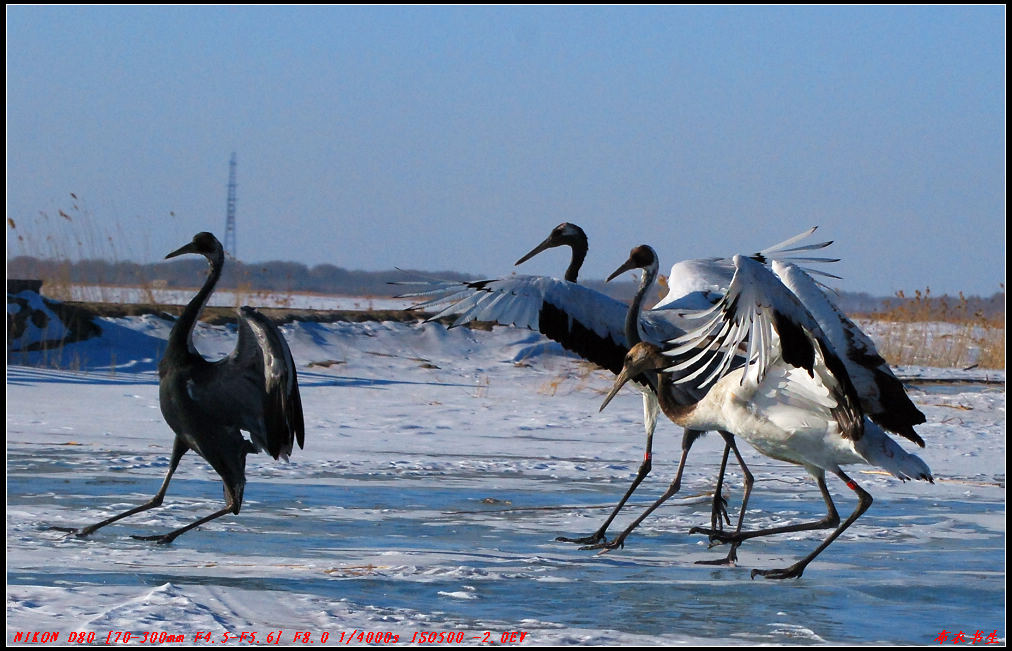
x: 229, y: 242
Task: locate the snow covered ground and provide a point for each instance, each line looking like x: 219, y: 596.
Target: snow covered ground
x: 439, y: 468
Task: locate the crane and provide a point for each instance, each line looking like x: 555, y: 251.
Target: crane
x: 209, y: 404
x: 793, y: 400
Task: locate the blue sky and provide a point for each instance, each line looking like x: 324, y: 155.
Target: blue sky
x: 455, y: 138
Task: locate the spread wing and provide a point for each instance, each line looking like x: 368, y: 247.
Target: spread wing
x: 783, y: 345
x: 257, y: 387
x: 699, y: 283
x: 883, y: 397
x: 585, y: 321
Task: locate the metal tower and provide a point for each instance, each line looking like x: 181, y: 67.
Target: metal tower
x: 229, y: 242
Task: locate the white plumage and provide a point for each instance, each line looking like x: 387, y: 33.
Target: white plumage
x: 794, y: 400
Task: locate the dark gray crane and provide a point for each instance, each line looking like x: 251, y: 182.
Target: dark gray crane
x: 209, y: 404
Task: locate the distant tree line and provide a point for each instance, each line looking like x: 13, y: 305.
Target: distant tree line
x: 276, y: 276
x: 280, y: 276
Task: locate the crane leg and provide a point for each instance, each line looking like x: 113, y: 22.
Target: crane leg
x: 233, y: 502
x: 732, y: 555
x: 641, y: 474
x: 599, y: 535
x: 178, y: 450
x: 688, y: 438
x: 718, y: 512
x: 831, y: 519
x: 164, y: 539
x: 650, y: 412
x: 864, y: 500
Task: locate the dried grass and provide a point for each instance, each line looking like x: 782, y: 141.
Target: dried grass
x: 941, y: 332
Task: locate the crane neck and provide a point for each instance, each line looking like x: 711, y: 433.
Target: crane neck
x: 632, y: 319
x: 180, y: 338
x: 677, y: 404
x: 679, y: 413
x: 579, y: 254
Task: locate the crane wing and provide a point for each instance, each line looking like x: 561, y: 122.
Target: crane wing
x: 585, y: 321
x: 699, y: 283
x: 259, y: 377
x: 882, y: 395
x: 760, y: 317
x: 784, y: 252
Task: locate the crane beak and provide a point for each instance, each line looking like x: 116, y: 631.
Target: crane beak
x: 620, y: 381
x: 186, y: 248
x: 629, y: 265
x: 547, y: 244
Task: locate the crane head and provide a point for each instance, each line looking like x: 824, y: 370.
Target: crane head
x: 562, y: 235
x: 203, y: 243
x: 641, y: 257
x: 642, y: 359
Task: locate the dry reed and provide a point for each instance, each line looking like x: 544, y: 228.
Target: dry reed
x: 942, y: 332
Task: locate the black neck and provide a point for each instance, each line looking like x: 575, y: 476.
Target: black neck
x: 632, y: 317
x: 579, y: 253
x: 179, y: 338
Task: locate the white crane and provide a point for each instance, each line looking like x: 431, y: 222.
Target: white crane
x: 794, y: 400
x: 645, y: 258
x: 881, y: 395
